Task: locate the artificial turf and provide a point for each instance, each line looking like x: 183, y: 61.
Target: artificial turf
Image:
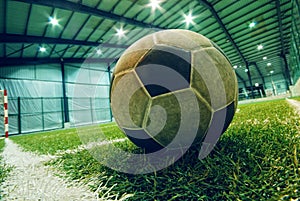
x: 255, y: 159
x: 4, y: 169
x: 53, y: 141
x: 296, y: 98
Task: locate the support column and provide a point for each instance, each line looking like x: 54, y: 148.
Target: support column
x: 19, y: 116
x: 43, y: 117
x: 250, y: 80
x: 65, y: 98
x: 110, y: 80
x: 259, y: 72
x: 5, y: 103
x: 287, y: 71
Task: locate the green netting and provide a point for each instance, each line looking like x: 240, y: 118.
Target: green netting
x: 36, y: 97
x: 40, y: 114
x: 294, y: 60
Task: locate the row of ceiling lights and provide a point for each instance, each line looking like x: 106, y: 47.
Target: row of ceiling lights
x: 155, y: 4
x: 120, y: 32
x: 251, y: 26
x: 246, y: 70
x: 268, y: 64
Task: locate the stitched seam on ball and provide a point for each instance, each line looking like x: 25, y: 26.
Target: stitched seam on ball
x: 221, y: 108
x: 153, y: 138
x: 202, y: 99
x: 133, y: 67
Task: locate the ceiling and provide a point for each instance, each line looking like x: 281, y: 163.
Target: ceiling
x: 87, y: 28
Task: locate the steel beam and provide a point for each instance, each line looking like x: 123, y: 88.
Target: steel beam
x: 16, y: 61
x: 68, y: 5
x: 65, y: 97
x: 217, y: 17
x: 244, y: 82
x: 16, y: 38
x: 287, y: 71
x: 20, y: 50
x: 283, y: 53
x: 110, y: 81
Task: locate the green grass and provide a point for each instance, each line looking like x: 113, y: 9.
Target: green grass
x: 2, y: 144
x: 256, y: 159
x: 4, y: 169
x: 48, y: 142
x: 60, y: 140
x: 296, y: 98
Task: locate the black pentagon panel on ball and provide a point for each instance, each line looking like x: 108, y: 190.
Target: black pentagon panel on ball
x: 165, y: 66
x: 142, y: 139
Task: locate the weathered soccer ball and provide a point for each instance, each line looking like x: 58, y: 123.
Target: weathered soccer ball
x: 156, y: 81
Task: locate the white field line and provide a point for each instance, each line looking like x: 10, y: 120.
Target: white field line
x: 31, y: 180
x: 295, y: 104
x: 85, y: 147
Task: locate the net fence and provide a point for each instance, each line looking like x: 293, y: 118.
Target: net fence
x: 40, y: 114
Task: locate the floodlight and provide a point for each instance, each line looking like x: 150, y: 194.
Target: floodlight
x: 252, y: 24
x: 42, y: 49
x: 99, y: 52
x: 188, y: 19
x: 53, y: 21
x: 260, y: 47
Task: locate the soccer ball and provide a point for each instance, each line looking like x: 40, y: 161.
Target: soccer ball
x: 170, y: 82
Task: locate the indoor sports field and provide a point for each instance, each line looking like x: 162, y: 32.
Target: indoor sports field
x: 149, y: 100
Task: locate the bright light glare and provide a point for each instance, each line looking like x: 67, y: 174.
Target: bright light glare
x: 256, y: 84
x: 235, y: 67
x: 188, y: 19
x: 252, y: 24
x: 120, y: 32
x: 246, y: 70
x: 271, y: 71
x: 99, y: 52
x: 269, y: 64
x: 154, y: 4
x: 260, y: 47
x: 53, y: 21
x: 42, y: 49
x: 265, y: 58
